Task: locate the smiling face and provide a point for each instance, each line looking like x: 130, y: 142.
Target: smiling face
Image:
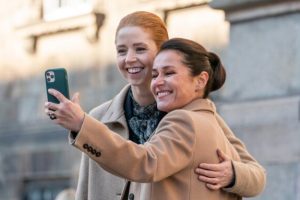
x: 172, y: 84
x: 135, y: 54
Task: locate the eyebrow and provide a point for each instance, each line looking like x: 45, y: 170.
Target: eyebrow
x: 140, y: 43
x: 166, y: 67
x: 120, y: 46
x: 135, y: 44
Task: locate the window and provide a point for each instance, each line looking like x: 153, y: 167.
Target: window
x: 62, y: 16
x: 59, y: 9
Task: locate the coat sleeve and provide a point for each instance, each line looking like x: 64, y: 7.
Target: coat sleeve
x: 250, y: 177
x: 82, y: 185
x: 166, y: 153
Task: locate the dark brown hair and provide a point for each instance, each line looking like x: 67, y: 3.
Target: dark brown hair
x: 198, y: 59
x: 147, y: 21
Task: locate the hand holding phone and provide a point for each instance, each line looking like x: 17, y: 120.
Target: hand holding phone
x: 69, y: 113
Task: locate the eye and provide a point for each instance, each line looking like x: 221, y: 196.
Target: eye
x: 141, y: 49
x: 169, y: 73
x: 154, y: 75
x: 121, y: 51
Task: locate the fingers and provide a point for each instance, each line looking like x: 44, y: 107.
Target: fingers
x: 211, y: 183
x: 209, y: 180
x: 50, y: 113
x: 211, y: 167
x: 207, y: 173
x: 51, y: 107
x: 222, y: 156
x: 218, y: 175
x: 213, y: 187
x: 66, y: 113
x: 61, y: 98
x: 75, y: 98
x: 52, y: 110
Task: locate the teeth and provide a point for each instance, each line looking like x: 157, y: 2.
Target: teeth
x: 164, y: 93
x: 134, y: 70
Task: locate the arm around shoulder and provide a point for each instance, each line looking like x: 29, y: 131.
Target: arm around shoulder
x: 250, y: 176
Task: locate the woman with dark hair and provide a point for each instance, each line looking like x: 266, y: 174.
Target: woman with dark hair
x: 134, y: 116
x: 183, y: 75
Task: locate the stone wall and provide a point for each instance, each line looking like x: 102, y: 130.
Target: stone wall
x: 261, y: 98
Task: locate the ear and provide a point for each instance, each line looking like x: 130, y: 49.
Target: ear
x: 201, y: 81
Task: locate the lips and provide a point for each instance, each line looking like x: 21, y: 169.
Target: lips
x: 134, y: 70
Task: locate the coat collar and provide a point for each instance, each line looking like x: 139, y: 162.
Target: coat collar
x: 201, y: 105
x: 115, y: 110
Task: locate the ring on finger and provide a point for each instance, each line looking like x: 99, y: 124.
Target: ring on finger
x: 52, y: 116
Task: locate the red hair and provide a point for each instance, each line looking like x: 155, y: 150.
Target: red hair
x: 149, y: 22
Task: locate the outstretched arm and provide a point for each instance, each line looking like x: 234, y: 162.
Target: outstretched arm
x: 173, y: 146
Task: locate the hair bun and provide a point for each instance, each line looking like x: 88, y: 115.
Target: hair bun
x: 219, y: 73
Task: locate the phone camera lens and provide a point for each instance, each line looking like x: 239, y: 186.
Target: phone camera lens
x: 52, y: 76
x: 48, y: 79
x: 48, y: 73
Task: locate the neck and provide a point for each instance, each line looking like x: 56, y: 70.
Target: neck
x: 142, y: 95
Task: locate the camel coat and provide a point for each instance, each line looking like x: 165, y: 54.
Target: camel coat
x: 95, y: 183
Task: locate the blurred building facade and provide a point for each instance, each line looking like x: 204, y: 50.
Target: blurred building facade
x: 258, y: 41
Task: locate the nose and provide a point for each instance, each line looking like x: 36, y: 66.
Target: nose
x: 130, y: 57
x: 158, y: 81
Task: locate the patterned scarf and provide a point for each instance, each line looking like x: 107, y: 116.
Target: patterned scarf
x: 142, y: 120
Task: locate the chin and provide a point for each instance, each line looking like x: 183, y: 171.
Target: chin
x: 163, y: 108
x: 135, y: 82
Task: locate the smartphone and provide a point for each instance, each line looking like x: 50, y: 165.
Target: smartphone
x: 57, y: 79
